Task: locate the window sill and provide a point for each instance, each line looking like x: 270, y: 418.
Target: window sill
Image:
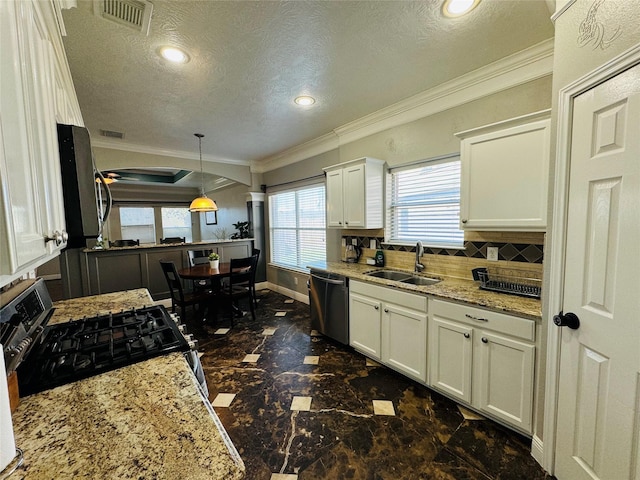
x: 289, y: 268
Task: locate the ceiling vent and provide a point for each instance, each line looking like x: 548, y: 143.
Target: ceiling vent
x: 112, y: 134
x: 134, y: 14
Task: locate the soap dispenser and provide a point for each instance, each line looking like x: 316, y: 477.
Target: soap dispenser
x: 379, y: 258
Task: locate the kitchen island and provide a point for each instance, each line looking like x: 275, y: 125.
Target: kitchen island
x: 146, y: 420
x: 96, y: 271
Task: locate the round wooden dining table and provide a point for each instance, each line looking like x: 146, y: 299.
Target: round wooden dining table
x: 205, y: 272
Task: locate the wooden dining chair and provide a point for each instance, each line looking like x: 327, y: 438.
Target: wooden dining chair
x: 167, y: 240
x: 240, y: 284
x: 200, y: 257
x: 124, y: 243
x: 180, y: 298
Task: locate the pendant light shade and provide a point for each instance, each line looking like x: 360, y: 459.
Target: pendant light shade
x: 202, y: 203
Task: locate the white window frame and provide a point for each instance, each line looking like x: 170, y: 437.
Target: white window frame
x: 447, y: 207
x: 298, y: 267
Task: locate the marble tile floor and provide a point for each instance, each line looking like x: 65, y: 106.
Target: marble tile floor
x: 299, y: 406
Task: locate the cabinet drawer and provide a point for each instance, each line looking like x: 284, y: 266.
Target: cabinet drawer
x: 390, y: 295
x: 485, y: 319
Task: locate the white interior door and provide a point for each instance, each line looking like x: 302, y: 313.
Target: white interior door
x: 599, y: 384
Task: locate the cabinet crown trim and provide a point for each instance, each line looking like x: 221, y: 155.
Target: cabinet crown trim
x: 355, y: 162
x: 522, y: 120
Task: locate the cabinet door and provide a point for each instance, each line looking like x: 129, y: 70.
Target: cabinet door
x: 354, y: 196
x: 334, y: 199
x: 364, y: 325
x: 504, y: 385
x: 404, y: 334
x: 22, y: 209
x: 42, y: 120
x: 504, y: 179
x: 450, y: 358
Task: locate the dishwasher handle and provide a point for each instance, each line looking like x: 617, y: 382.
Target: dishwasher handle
x: 328, y: 280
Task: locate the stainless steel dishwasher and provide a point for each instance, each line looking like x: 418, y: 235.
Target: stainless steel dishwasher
x: 329, y: 302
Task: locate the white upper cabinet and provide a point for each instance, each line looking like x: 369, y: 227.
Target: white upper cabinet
x: 355, y: 194
x: 34, y: 84
x: 505, y: 175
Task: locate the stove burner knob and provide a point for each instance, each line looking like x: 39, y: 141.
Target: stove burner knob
x: 193, y: 345
x: 181, y: 328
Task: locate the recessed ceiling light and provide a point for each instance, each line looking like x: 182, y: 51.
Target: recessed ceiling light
x: 456, y: 8
x: 305, y: 100
x: 174, y: 54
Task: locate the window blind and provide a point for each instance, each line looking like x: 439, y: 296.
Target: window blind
x: 424, y: 204
x: 297, y: 226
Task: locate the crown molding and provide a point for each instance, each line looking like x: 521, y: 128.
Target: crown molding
x: 561, y: 7
x: 132, y: 147
x: 522, y: 67
x: 527, y: 65
x: 219, y: 184
x: 295, y: 154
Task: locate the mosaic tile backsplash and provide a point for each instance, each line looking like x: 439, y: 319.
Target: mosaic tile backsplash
x: 511, y: 252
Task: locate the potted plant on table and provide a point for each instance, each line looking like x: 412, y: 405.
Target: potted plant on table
x: 214, y: 260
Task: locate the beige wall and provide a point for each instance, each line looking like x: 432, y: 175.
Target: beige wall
x: 435, y: 135
x: 232, y: 208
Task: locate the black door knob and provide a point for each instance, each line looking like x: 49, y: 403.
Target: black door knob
x: 569, y: 319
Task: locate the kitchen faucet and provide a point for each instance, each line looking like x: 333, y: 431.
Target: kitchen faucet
x: 419, y: 253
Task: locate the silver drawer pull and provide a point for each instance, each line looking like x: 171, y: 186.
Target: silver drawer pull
x: 478, y: 319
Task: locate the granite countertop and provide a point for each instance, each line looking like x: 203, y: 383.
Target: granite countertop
x: 146, y: 420
x: 166, y: 245
x: 450, y: 288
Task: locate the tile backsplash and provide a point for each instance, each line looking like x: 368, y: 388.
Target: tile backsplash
x: 518, y: 251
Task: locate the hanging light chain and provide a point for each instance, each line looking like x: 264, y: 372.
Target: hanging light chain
x: 200, y: 136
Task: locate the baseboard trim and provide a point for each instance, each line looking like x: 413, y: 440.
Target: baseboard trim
x: 537, y: 450
x: 300, y: 297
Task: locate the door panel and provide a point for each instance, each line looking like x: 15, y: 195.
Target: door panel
x: 597, y: 428
x: 450, y: 361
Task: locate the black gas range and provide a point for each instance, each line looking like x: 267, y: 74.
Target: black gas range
x: 53, y: 355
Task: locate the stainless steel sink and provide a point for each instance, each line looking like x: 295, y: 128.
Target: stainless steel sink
x: 389, y: 275
x: 403, y: 277
x: 420, y: 281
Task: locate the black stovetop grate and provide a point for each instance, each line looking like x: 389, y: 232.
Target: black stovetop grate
x: 82, y: 348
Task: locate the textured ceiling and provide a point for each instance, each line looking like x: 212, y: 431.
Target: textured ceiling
x: 249, y: 59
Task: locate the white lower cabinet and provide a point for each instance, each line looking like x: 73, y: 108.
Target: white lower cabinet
x: 484, y: 359
x: 390, y: 326
x: 364, y: 324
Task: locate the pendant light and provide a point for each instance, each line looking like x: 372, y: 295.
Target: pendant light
x: 202, y: 203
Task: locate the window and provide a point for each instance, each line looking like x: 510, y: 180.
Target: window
x: 149, y: 224
x: 297, y: 226
x: 176, y: 222
x: 138, y: 223
x: 424, y: 204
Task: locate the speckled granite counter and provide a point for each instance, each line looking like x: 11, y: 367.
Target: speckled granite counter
x: 449, y: 288
x: 147, y: 420
x: 66, y: 310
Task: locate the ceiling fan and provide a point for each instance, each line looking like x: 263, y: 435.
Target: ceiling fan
x: 111, y: 177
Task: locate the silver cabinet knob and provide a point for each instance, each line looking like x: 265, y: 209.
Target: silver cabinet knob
x: 386, y: 310
x: 464, y: 220
x: 485, y: 340
x: 56, y: 238
x: 466, y: 335
x: 376, y: 307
